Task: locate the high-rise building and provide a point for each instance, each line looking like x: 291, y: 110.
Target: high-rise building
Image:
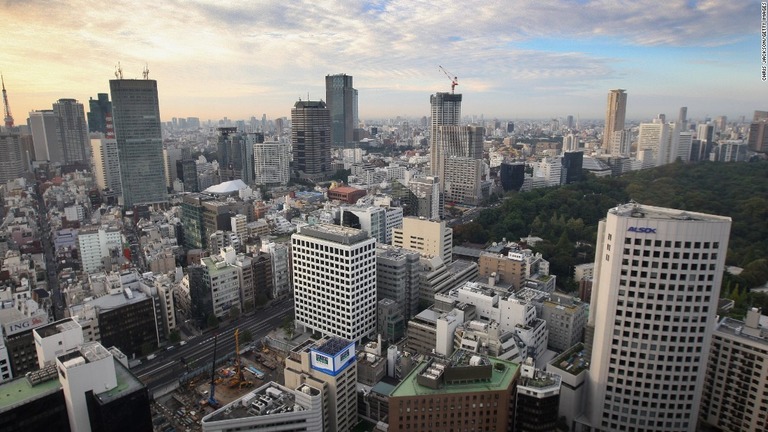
x: 446, y: 111
x: 106, y: 163
x: 271, y: 163
x: 235, y: 155
x: 682, y: 119
x: 334, y: 280
x: 11, y: 162
x: 398, y: 278
x: 652, y: 143
x: 614, y: 115
x: 705, y: 133
x: 136, y: 112
x: 45, y: 137
x: 736, y: 374
x: 98, y: 111
x: 571, y: 167
x: 170, y: 157
x: 758, y: 135
x: 654, y: 298
x: 97, y: 242
x: 538, y: 399
x: 73, y: 130
x: 462, y: 180
x: 311, y: 139
x: 341, y: 98
x: 426, y: 199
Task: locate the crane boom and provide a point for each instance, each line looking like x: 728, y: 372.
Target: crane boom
x: 454, y: 79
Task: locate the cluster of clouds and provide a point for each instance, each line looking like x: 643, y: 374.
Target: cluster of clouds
x: 215, y: 58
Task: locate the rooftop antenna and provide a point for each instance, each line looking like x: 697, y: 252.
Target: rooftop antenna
x: 146, y: 71
x: 118, y: 71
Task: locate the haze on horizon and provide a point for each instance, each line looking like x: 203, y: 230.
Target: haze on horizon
x: 527, y: 60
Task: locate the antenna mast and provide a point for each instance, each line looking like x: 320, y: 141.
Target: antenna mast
x: 6, y: 106
x: 118, y: 71
x: 146, y: 71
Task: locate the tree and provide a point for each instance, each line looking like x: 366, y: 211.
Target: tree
x: 234, y: 313
x: 213, y: 322
x: 174, y: 336
x: 245, y: 336
x: 288, y: 327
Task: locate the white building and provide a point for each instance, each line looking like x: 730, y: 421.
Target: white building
x: 271, y: 163
x: 334, y: 280
x: 654, y: 299
x: 281, y: 270
x: 106, y: 163
x: 224, y: 280
x: 96, y: 243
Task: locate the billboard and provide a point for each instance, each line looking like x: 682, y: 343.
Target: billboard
x: 26, y: 323
x: 326, y: 361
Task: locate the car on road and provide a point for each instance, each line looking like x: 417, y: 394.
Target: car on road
x: 182, y: 343
x: 170, y: 348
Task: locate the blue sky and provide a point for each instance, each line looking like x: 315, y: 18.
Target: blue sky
x: 514, y: 60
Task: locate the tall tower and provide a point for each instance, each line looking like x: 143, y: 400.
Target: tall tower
x: 446, y: 111
x: 334, y: 280
x: 99, y: 110
x: 614, y: 115
x: 136, y: 112
x: 341, y: 98
x: 311, y: 139
x: 11, y: 162
x: 655, y: 290
x: 73, y: 131
x: 6, y: 107
x: 45, y: 138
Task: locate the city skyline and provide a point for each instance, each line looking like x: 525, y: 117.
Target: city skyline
x: 534, y: 61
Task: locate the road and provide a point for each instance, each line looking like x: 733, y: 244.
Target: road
x: 50, y: 261
x: 198, y: 351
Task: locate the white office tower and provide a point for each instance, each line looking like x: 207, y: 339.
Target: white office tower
x: 334, y: 280
x: 621, y: 143
x: 652, y: 142
x: 96, y: 243
x: 106, y: 163
x: 654, y: 298
x: 570, y: 143
x: 271, y: 163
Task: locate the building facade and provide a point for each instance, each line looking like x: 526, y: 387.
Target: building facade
x: 136, y: 112
x: 341, y: 98
x: 311, y: 140
x: 334, y: 280
x: 73, y: 130
x: 654, y: 298
x: 429, y: 238
x: 106, y: 163
x: 614, y: 115
x: 271, y: 163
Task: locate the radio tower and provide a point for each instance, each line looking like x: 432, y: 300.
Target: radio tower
x: 8, y: 116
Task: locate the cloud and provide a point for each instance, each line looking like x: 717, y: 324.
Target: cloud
x: 274, y: 50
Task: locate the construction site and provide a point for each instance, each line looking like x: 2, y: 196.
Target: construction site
x: 225, y: 381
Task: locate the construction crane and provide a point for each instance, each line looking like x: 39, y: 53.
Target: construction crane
x: 239, y: 378
x: 6, y: 106
x: 454, y: 79
x: 211, y: 397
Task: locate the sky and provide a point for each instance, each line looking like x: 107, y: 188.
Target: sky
x: 514, y: 59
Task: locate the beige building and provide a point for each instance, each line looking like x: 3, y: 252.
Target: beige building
x: 329, y: 365
x: 430, y: 238
x: 614, y: 115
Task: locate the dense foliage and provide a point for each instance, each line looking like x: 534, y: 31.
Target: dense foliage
x: 566, y: 217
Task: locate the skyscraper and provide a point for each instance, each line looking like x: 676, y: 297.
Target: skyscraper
x: 136, y: 112
x: 73, y: 131
x: 614, y: 115
x: 342, y: 104
x: 11, y: 165
x: 334, y: 280
x: 235, y: 155
x: 106, y: 163
x: 311, y: 138
x: 98, y: 111
x: 271, y: 163
x: 654, y: 298
x: 446, y: 111
x: 45, y: 138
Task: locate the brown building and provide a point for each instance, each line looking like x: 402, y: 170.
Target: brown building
x: 346, y: 194
x: 465, y: 392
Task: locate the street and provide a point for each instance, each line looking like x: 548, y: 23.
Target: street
x: 167, y: 367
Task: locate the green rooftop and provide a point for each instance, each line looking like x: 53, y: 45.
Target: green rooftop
x: 19, y: 391
x: 502, y: 375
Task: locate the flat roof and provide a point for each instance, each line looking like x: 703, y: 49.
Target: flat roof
x: 500, y: 380
x: 636, y: 210
x: 127, y: 383
x: 112, y: 301
x: 20, y: 391
x: 572, y: 361
x: 334, y: 233
x: 57, y: 327
x: 269, y: 399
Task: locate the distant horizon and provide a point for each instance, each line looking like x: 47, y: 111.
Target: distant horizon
x: 213, y: 61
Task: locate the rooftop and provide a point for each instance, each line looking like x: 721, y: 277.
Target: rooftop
x: 269, y: 399
x: 22, y: 390
x: 127, y: 383
x: 57, y: 327
x: 635, y: 210
x: 503, y: 373
x: 333, y: 346
x: 573, y: 361
x: 541, y: 381
x: 226, y: 187
x: 111, y: 301
x: 334, y: 233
